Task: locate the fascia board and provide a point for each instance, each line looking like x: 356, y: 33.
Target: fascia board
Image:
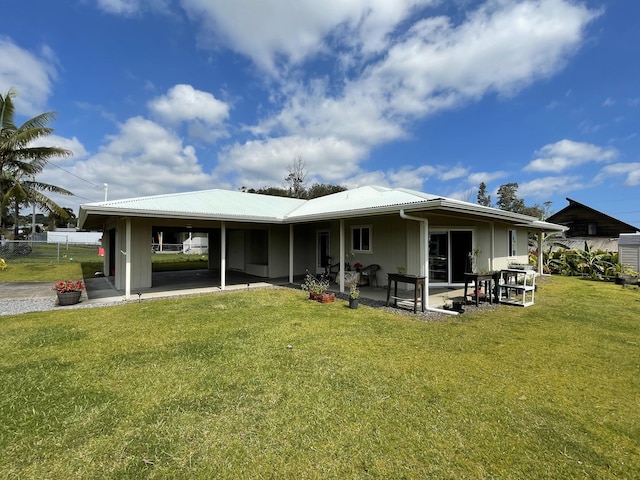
x: 125, y: 212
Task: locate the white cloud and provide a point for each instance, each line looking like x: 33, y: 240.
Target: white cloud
x: 437, y: 65
x: 72, y: 144
x: 631, y: 172
x: 502, y: 47
x: 31, y: 76
x: 262, y: 163
x: 547, y: 187
x: 393, y: 75
x: 486, y: 177
x: 453, y: 173
x: 565, y: 154
x: 122, y: 7
x: 142, y: 158
x: 183, y: 103
x: 277, y: 33
x: 132, y: 7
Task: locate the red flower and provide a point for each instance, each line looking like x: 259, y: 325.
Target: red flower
x: 62, y: 286
x: 357, y: 265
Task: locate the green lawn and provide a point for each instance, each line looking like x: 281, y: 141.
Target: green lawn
x: 266, y: 384
x: 82, y: 262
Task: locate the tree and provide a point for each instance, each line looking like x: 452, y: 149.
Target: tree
x: 296, y: 178
x: 21, y: 161
x: 483, y: 198
x: 26, y: 192
x: 60, y: 221
x: 508, y: 198
x: 322, y: 189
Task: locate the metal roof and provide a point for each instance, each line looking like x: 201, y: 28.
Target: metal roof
x: 629, y: 239
x: 240, y: 206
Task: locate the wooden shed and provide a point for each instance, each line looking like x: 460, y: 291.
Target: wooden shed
x: 629, y: 250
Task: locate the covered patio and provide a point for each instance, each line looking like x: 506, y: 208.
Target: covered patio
x: 204, y: 281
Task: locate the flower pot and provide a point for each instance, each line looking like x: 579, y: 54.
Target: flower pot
x: 353, y: 303
x: 326, y: 297
x: 69, y: 298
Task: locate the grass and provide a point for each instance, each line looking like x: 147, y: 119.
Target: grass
x: 266, y: 384
x: 82, y: 262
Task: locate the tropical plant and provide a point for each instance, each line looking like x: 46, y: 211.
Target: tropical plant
x: 589, y: 262
x: 21, y: 160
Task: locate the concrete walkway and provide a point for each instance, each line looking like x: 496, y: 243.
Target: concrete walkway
x: 100, y: 290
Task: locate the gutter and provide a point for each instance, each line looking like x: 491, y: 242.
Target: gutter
x: 425, y: 223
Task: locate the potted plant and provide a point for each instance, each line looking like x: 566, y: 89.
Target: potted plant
x: 317, y: 288
x: 68, y: 291
x: 322, y: 295
x: 354, y: 295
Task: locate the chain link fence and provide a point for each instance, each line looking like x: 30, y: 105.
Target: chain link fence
x: 28, y: 251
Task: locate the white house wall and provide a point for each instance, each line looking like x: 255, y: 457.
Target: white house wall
x: 503, y: 260
x: 278, y: 251
x: 140, y: 254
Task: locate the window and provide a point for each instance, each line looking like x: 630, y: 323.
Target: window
x: 361, y: 239
x: 592, y: 229
x: 513, y: 243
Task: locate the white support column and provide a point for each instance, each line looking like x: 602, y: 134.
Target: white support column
x: 424, y: 254
x: 290, y: 253
x: 127, y: 268
x: 540, y: 253
x: 342, y: 254
x: 223, y: 255
x: 493, y: 247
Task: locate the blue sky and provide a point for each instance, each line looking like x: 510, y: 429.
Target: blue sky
x: 160, y: 96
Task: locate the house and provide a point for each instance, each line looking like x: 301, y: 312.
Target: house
x: 272, y: 237
x: 585, y: 224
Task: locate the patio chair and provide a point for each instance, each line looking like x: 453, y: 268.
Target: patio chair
x: 331, y: 271
x: 368, y: 275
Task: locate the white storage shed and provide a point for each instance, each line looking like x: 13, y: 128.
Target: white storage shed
x: 629, y: 250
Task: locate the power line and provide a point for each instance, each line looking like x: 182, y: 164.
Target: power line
x: 73, y: 174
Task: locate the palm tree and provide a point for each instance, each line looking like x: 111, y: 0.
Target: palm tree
x: 24, y: 192
x: 20, y: 160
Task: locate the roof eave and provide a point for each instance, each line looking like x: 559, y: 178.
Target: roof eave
x: 85, y: 214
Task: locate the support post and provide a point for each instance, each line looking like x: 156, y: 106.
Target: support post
x: 342, y: 254
x: 223, y: 255
x: 127, y: 253
x: 291, y: 253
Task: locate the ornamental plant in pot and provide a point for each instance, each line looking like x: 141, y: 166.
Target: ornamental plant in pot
x: 317, y: 288
x: 68, y: 291
x: 354, y: 295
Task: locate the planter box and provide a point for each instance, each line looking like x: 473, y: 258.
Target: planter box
x: 326, y: 297
x: 69, y: 298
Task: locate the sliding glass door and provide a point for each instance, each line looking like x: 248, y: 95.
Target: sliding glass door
x: 448, y: 255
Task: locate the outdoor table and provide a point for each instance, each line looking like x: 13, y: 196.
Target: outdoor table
x: 417, y: 281
x: 489, y: 280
